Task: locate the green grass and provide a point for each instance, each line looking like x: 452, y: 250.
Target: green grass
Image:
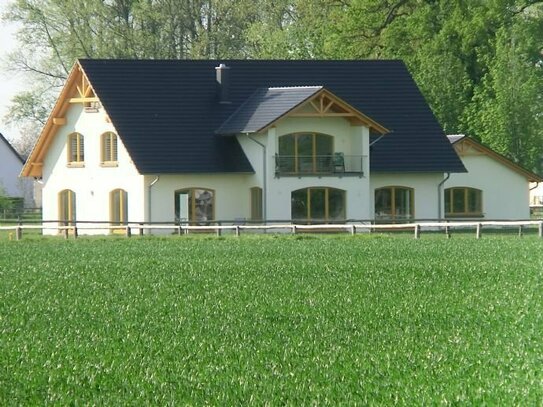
x: 272, y: 320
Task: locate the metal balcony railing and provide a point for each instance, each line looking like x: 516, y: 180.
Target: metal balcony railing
x: 329, y: 164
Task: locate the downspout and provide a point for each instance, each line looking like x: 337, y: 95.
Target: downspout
x: 150, y: 196
x: 536, y: 185
x: 439, y: 186
x: 264, y: 182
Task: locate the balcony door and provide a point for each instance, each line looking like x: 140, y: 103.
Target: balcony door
x: 305, y: 153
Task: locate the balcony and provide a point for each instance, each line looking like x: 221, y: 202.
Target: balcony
x: 336, y: 164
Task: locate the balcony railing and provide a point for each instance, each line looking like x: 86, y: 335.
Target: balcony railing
x: 328, y: 164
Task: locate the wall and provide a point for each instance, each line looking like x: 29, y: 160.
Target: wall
x: 349, y: 139
x: 10, y: 168
x: 425, y: 186
x: 91, y: 183
x: 505, y: 192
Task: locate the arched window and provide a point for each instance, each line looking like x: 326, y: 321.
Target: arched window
x: 195, y: 205
x: 394, y: 203
x: 318, y: 204
x: 305, y: 153
x: 463, y: 201
x: 66, y: 207
x: 109, y: 148
x: 76, y: 149
x: 118, y: 207
x: 256, y: 203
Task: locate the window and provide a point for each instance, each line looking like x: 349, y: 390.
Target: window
x: 305, y: 153
x: 118, y: 207
x: 318, y: 204
x: 76, y: 149
x: 394, y: 203
x: 109, y: 148
x: 256, y: 203
x: 463, y: 201
x: 195, y: 205
x: 66, y: 207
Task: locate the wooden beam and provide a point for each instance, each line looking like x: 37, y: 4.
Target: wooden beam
x: 83, y: 100
x: 59, y: 121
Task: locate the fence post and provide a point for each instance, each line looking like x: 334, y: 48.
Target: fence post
x: 18, y: 232
x: 128, y: 231
x: 66, y: 233
x: 141, y: 229
x: 237, y: 231
x: 540, y: 229
x: 447, y: 232
x: 417, y: 231
x: 478, y: 231
x: 76, y: 233
x: 219, y: 231
x: 353, y: 230
x: 293, y: 229
x: 520, y: 231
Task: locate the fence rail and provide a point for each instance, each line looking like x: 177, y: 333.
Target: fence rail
x: 353, y: 228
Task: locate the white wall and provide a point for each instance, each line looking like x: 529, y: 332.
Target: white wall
x: 349, y: 139
x: 91, y: 183
x: 425, y: 186
x: 536, y: 193
x: 505, y: 192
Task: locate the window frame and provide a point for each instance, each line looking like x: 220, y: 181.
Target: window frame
x: 67, y: 204
x: 192, y: 205
x: 393, y: 216
x: 79, y: 159
x: 448, y: 201
x: 113, y: 140
x: 315, y: 168
x: 309, y: 210
x: 122, y: 209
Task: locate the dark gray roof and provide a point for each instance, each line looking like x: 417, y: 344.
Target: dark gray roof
x: 167, y: 111
x: 264, y: 107
x: 3, y: 139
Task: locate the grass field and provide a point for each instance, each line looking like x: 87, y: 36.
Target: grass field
x: 272, y: 320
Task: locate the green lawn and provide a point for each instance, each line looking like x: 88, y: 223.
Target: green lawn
x: 272, y: 320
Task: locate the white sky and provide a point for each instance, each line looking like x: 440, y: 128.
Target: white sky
x: 10, y: 83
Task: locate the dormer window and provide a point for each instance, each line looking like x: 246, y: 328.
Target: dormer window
x: 109, y: 149
x: 76, y: 149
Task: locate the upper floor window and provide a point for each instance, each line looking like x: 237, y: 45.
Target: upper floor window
x: 394, y: 203
x: 463, y: 201
x: 305, y: 153
x: 109, y: 148
x: 195, y: 205
x: 76, y: 149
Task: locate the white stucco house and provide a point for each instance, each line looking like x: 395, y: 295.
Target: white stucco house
x: 493, y: 188
x: 11, y: 165
x: 245, y: 141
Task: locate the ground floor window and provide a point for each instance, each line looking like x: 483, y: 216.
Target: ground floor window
x: 256, y: 203
x: 195, y: 205
x: 394, y: 203
x: 463, y: 201
x: 118, y: 207
x: 318, y: 204
x: 66, y: 207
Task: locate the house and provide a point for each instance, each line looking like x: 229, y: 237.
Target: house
x: 11, y: 165
x: 494, y: 188
x: 199, y: 141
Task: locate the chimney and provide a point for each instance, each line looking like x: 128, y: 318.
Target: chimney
x: 223, y: 83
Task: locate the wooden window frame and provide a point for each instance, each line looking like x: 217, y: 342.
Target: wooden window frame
x: 393, y: 217
x: 112, y: 139
x: 313, y: 135
x: 67, y: 197
x: 123, y: 207
x: 192, y: 203
x: 79, y: 159
x: 326, y: 203
x: 466, y: 213
x: 257, y: 207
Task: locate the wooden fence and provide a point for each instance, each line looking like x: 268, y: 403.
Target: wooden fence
x: 416, y: 228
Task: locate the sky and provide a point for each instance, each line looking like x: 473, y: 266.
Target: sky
x: 10, y: 84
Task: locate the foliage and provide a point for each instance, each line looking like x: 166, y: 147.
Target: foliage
x: 271, y: 320
x: 478, y: 63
